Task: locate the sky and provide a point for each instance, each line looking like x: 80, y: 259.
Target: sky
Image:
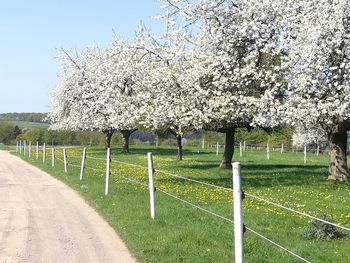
x: 32, y: 30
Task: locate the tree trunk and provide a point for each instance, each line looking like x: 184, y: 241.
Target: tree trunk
x: 229, y: 148
x: 108, y: 135
x: 179, y: 147
x: 126, y: 138
x: 179, y: 144
x: 338, y: 167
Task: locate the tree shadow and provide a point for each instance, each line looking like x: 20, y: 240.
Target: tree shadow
x: 265, y: 175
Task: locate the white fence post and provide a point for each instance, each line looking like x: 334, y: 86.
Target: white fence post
x: 82, y: 170
x: 37, y: 150
x: 17, y: 146
x: 304, y: 153
x: 53, y: 157
x: 157, y: 141
x: 44, y: 153
x: 65, y: 160
x: 108, y: 170
x: 203, y: 143
x: 217, y: 148
x: 240, y: 149
x: 267, y: 152
x: 244, y: 146
x: 151, y: 185
x: 282, y: 148
x: 30, y: 150
x: 237, y: 211
x: 318, y: 150
x: 24, y: 148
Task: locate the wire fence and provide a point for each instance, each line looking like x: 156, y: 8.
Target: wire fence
x: 60, y: 155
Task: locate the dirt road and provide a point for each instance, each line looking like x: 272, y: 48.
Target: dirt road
x: 42, y: 220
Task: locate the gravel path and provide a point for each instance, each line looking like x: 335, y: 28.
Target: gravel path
x: 43, y: 220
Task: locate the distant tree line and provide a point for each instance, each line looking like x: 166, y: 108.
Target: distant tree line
x: 9, y: 133
x: 24, y: 116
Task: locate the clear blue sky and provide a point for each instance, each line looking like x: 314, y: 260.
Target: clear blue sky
x: 31, y: 30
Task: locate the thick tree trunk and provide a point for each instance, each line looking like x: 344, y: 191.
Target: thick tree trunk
x: 229, y: 148
x: 338, y: 167
x: 126, y: 139
x: 108, y: 135
x: 179, y: 144
x: 179, y: 147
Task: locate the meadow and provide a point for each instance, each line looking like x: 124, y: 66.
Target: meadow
x: 26, y: 124
x: 181, y: 233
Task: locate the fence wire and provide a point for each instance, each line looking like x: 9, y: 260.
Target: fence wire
x: 231, y: 221
x: 296, y: 211
x: 203, y: 209
x: 258, y: 198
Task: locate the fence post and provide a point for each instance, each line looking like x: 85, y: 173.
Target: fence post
x: 16, y: 146
x: 82, y: 170
x: 282, y: 148
x: 44, y: 153
x: 151, y: 185
x: 217, y: 148
x: 37, y: 150
x: 108, y: 170
x: 267, y: 152
x: 243, y: 145
x: 65, y: 160
x: 24, y: 148
x: 30, y: 150
x: 240, y: 149
x: 53, y: 157
x: 304, y: 153
x: 318, y: 150
x: 157, y: 141
x: 237, y: 211
x: 203, y: 143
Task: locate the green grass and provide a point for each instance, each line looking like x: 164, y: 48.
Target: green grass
x: 27, y: 124
x: 181, y: 233
x: 4, y: 147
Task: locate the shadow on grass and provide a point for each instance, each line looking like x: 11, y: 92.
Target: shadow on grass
x: 253, y: 175
x: 265, y: 175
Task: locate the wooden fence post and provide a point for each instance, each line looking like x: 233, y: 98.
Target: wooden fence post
x: 151, y: 185
x: 37, y: 150
x: 82, y: 170
x: 44, y: 153
x: 108, y: 170
x: 65, y: 160
x: 238, y: 211
x: 30, y: 150
x: 53, y: 156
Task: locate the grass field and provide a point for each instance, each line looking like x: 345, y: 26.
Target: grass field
x: 181, y: 233
x: 27, y: 124
x: 4, y: 147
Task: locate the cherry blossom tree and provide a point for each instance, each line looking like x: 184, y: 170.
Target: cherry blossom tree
x: 319, y: 74
x: 97, y: 92
x: 308, y: 135
x: 235, y: 60
x: 75, y: 102
x: 171, y: 103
